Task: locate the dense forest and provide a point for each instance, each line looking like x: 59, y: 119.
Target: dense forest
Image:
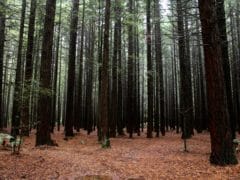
x: 122, y: 67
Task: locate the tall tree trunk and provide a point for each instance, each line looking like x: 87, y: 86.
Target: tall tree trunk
x: 150, y: 72
x: 17, y: 99
x: 186, y: 104
x: 56, y: 101
x: 219, y: 123
x: 29, y: 71
x: 114, y: 102
x: 129, y: 100
x: 159, y: 71
x: 120, y: 124
x: 71, y: 70
x: 237, y: 100
x: 226, y: 65
x: 79, y: 111
x: 104, y: 81
x: 2, y: 42
x: 44, y: 102
x: 89, y: 78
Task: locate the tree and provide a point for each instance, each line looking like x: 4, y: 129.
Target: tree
x: 56, y: 98
x: 159, y: 73
x: 186, y: 104
x: 130, y: 99
x: 28, y: 71
x: 44, y: 103
x: 71, y: 69
x: 2, y: 41
x: 219, y: 123
x: 104, y: 80
x: 226, y: 65
x: 118, y: 27
x: 17, y: 99
x: 114, y: 102
x: 150, y: 72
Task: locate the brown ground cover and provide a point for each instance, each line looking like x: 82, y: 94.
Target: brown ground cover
x: 157, y: 158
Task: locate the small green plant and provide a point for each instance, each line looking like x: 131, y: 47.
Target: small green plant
x: 106, y: 143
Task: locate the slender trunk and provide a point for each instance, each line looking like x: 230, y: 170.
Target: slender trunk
x: 29, y: 71
x: 150, y: 72
x: 16, y: 114
x: 104, y: 81
x: 71, y: 70
x: 186, y: 105
x: 55, y: 111
x: 2, y: 42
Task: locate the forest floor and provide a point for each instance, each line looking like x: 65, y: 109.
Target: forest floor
x: 137, y: 158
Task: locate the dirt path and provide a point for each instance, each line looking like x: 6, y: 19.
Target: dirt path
x: 157, y: 158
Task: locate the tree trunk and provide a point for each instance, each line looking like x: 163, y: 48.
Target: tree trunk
x: 186, y: 104
x: 71, y: 70
x: 104, y: 80
x: 129, y: 100
x: 44, y: 103
x: 17, y: 99
x: 29, y: 71
x: 150, y: 72
x: 115, y: 60
x: 56, y: 112
x: 219, y: 123
x: 226, y: 65
x: 2, y: 42
x: 159, y: 71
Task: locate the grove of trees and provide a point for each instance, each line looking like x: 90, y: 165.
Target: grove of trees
x: 120, y: 67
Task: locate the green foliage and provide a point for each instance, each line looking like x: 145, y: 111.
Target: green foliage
x: 106, y: 143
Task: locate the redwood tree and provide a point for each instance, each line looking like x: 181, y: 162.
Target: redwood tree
x: 29, y: 70
x: 2, y: 41
x: 150, y: 72
x: 104, y: 80
x: 219, y: 123
x: 44, y: 103
x: 17, y: 104
x: 71, y: 70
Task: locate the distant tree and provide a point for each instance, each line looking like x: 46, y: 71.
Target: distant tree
x: 219, y: 122
x: 44, y: 103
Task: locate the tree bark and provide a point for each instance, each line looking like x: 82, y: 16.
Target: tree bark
x: 150, y: 72
x: 2, y: 42
x: 26, y: 117
x: 186, y: 104
x: 226, y: 65
x: 104, y: 80
x: 71, y: 70
x: 17, y: 99
x: 219, y: 123
x: 44, y: 103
